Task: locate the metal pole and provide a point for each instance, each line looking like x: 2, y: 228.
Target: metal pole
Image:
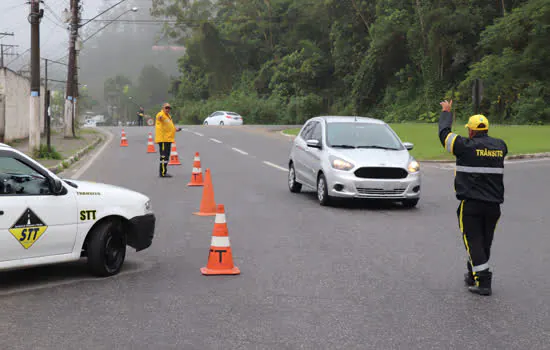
x: 46, y: 104
x: 34, y: 120
x: 48, y: 123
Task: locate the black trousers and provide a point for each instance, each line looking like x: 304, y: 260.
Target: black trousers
x: 477, y: 221
x: 164, y: 151
x: 140, y: 121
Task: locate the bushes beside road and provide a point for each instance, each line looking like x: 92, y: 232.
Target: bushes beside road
x: 521, y: 139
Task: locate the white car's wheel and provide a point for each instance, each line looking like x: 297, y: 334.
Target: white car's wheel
x: 221, y: 123
x: 293, y: 186
x: 322, y: 191
x: 205, y: 123
x: 107, y: 248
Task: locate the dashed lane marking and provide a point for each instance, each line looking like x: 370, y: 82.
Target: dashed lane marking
x: 274, y: 166
x: 240, y: 151
x: 198, y: 133
x: 215, y: 140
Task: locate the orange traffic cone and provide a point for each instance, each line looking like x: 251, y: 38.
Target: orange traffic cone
x: 123, y: 139
x: 150, y: 144
x: 220, y: 258
x: 196, y: 175
x: 208, y: 204
x: 174, y: 159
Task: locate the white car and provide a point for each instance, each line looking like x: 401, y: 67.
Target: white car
x: 47, y: 220
x: 353, y: 157
x: 90, y: 123
x: 223, y: 118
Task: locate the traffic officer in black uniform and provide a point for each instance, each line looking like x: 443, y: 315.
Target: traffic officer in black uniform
x: 140, y: 115
x: 480, y: 189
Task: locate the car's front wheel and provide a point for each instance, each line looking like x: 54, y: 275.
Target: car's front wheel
x: 221, y: 123
x: 322, y: 191
x: 410, y: 203
x: 205, y: 123
x: 106, y: 248
x: 293, y: 186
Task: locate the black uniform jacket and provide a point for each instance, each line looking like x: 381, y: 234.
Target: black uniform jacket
x: 479, y: 163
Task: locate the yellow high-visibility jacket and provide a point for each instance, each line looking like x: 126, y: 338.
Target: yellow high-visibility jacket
x: 165, y: 131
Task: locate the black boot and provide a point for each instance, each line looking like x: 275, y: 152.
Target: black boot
x: 483, y: 283
x: 468, y: 276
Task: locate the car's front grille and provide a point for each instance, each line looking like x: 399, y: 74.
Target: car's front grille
x: 379, y: 191
x: 381, y: 173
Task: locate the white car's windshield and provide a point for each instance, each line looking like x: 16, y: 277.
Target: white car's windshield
x: 361, y: 135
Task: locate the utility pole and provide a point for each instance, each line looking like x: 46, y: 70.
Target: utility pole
x: 34, y: 120
x: 76, y: 94
x: 2, y: 53
x: 70, y: 89
x: 46, y: 105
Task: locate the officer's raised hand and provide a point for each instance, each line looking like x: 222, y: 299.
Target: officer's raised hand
x: 446, y: 106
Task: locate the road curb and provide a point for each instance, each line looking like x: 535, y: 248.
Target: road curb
x: 67, y: 162
x: 512, y: 157
x: 287, y: 135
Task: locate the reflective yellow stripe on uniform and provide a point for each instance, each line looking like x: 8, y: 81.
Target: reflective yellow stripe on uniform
x: 450, y: 142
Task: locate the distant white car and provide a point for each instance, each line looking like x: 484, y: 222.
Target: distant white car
x: 47, y: 220
x: 90, y: 123
x: 223, y: 118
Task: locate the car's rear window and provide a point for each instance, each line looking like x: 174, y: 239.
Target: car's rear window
x: 233, y: 114
x: 362, y: 135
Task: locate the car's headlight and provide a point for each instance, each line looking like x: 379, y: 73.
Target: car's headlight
x: 341, y: 164
x: 148, y: 207
x: 413, y: 167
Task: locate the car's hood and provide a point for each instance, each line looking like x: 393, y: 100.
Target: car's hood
x: 99, y: 189
x: 362, y: 157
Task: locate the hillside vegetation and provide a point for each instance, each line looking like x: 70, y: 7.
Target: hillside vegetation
x: 283, y: 61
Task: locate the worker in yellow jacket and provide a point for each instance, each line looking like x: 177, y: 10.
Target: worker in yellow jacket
x: 165, y: 133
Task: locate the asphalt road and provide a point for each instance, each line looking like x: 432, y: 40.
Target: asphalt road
x: 356, y: 276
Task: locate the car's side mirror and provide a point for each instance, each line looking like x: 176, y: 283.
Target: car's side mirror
x: 409, y: 146
x: 313, y: 143
x: 57, y: 186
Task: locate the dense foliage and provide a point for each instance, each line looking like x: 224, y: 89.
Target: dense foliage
x: 282, y: 61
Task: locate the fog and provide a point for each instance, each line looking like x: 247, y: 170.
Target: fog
x: 123, y: 48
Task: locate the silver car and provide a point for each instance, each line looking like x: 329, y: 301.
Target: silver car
x: 353, y: 157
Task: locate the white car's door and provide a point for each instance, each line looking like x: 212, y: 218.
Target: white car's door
x: 300, y: 148
x: 216, y: 117
x: 312, y: 155
x: 35, y: 223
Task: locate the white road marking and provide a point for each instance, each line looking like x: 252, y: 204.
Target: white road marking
x: 198, y: 133
x: 240, y: 151
x: 275, y: 166
x: 93, y: 158
x: 217, y: 141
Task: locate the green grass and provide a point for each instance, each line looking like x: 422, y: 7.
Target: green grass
x: 521, y: 139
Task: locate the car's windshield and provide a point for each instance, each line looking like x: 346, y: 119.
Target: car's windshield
x: 361, y: 135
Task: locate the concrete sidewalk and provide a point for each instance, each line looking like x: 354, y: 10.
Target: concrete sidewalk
x: 67, y: 151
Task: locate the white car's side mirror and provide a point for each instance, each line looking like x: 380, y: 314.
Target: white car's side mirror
x: 409, y: 146
x: 313, y: 143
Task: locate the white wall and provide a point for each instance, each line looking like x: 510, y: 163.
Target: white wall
x: 15, y: 94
